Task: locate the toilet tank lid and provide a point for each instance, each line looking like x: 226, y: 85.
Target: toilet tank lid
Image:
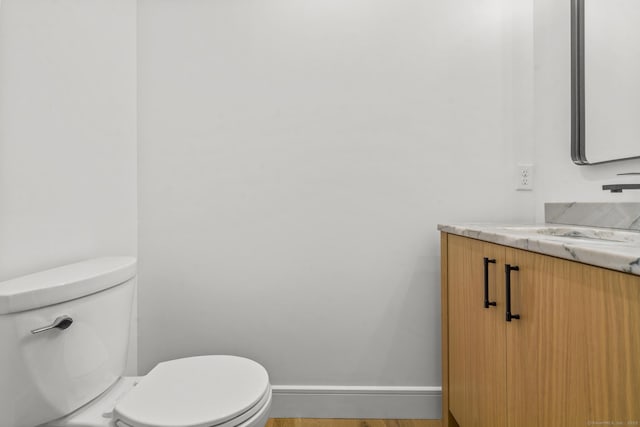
x: 64, y: 283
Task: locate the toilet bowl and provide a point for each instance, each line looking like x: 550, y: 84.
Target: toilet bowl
x: 66, y: 335
x: 205, y: 391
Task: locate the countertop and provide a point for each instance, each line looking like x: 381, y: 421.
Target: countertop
x: 602, y: 247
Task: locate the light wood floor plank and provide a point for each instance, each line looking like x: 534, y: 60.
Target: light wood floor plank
x: 327, y: 422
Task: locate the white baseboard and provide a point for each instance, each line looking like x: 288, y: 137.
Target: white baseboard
x: 310, y: 401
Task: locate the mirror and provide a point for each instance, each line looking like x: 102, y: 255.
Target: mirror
x: 605, y: 87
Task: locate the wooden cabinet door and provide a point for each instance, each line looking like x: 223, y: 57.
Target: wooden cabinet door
x: 573, y: 357
x: 610, y: 303
x: 477, y: 384
x: 544, y: 371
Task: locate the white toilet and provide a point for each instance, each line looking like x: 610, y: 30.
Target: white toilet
x: 64, y: 335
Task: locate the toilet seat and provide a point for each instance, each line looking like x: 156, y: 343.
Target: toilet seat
x: 205, y: 391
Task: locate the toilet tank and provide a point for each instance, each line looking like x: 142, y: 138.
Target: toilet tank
x: 47, y: 375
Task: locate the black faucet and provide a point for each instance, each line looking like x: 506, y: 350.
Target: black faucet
x: 617, y: 188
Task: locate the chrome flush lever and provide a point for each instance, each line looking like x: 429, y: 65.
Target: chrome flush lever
x: 61, y: 322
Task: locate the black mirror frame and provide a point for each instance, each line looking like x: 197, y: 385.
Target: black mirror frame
x: 577, y: 83
x: 578, y: 146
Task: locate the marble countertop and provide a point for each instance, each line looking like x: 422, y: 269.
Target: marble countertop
x: 602, y: 247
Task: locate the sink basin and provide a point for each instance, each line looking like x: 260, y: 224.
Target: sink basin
x: 583, y: 234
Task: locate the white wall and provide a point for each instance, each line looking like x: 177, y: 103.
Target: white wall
x: 557, y: 178
x: 295, y: 157
x: 67, y: 133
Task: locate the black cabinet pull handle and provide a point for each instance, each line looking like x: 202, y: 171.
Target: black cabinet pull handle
x: 508, y: 268
x: 487, y: 303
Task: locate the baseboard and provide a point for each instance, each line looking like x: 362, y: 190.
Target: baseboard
x: 356, y: 402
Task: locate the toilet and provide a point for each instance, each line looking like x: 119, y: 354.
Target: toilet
x: 64, y: 334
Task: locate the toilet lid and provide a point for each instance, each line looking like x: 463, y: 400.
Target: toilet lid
x: 200, y: 391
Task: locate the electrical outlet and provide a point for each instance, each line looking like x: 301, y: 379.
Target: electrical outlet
x: 524, y: 177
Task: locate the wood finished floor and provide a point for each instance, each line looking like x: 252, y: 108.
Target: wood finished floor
x: 326, y: 422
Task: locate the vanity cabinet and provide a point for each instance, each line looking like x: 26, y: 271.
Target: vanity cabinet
x: 568, y: 357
